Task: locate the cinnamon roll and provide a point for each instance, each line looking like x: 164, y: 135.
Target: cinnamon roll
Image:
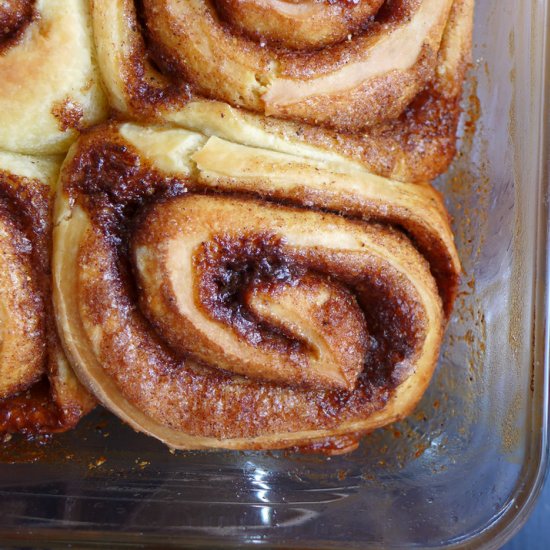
x: 376, y: 81
x: 38, y: 391
x: 49, y: 83
x: 218, y: 295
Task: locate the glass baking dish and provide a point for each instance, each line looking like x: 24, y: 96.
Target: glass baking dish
x: 463, y: 471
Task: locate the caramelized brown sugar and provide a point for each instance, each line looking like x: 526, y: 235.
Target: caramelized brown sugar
x: 31, y: 411
x: 172, y: 290
x: 15, y: 16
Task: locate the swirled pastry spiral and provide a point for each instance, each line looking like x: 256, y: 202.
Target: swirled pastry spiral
x: 378, y: 81
x: 38, y: 391
x: 49, y: 83
x: 217, y: 295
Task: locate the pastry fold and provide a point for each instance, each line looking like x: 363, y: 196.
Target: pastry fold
x: 38, y: 390
x: 218, y: 295
x: 49, y: 82
x: 377, y: 82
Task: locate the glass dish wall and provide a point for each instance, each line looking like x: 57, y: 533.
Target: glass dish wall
x: 462, y: 471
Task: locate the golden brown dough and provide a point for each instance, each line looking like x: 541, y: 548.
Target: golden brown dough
x: 204, y: 288
x: 38, y: 391
x: 49, y: 83
x: 412, y: 114
x: 297, y: 25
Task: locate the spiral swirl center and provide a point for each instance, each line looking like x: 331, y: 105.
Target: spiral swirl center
x: 206, y: 288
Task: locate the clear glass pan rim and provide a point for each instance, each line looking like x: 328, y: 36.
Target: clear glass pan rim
x: 515, y: 512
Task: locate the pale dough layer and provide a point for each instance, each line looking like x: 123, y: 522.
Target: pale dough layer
x: 49, y: 83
